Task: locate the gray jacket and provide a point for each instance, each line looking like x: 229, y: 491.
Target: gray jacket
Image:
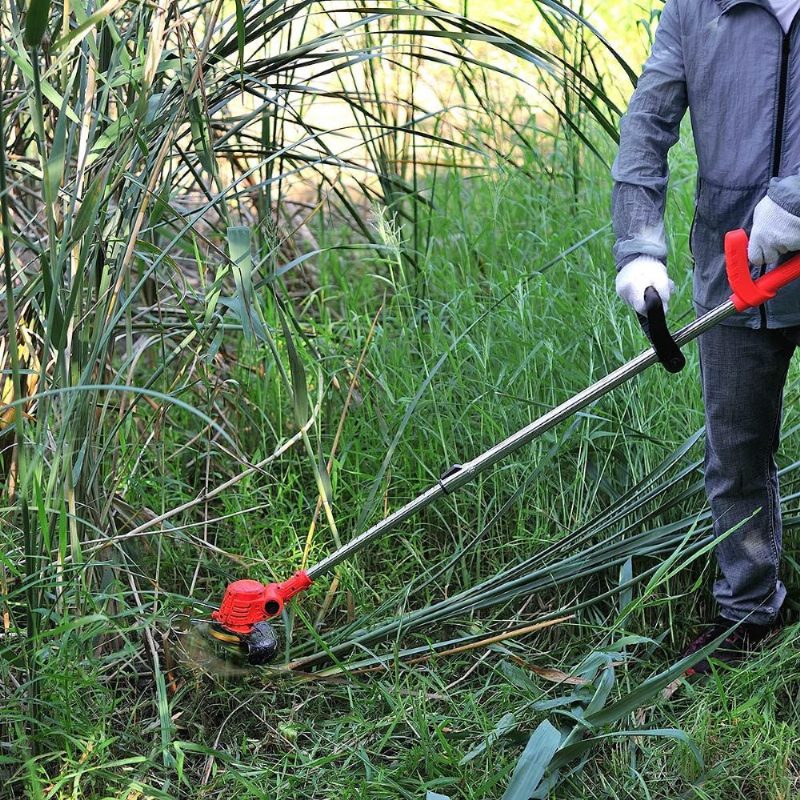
x: 730, y: 63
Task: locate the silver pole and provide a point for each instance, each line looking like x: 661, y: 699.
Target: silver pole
x: 467, y: 472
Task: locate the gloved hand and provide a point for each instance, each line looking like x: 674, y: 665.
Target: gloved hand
x: 775, y: 232
x: 637, y: 275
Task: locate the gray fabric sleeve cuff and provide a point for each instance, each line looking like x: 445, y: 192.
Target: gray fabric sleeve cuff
x: 785, y: 192
x: 632, y: 249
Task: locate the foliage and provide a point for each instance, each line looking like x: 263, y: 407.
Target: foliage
x: 274, y: 264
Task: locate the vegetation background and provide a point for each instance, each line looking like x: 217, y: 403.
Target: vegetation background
x: 269, y: 268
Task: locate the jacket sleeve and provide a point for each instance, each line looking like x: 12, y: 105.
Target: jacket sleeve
x: 786, y: 193
x: 647, y: 131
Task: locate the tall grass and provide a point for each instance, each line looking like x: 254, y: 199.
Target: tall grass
x: 268, y: 268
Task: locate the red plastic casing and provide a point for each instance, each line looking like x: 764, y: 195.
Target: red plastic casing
x: 247, y: 602
x: 748, y: 293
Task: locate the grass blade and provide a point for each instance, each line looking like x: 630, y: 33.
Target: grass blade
x: 533, y: 762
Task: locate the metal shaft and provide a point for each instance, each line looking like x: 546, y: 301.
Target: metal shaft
x: 467, y: 472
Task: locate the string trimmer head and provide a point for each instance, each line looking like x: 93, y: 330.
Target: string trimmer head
x: 246, y: 606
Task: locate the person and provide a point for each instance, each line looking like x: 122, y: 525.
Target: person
x: 735, y: 64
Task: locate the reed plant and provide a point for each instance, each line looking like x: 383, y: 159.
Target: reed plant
x: 268, y: 267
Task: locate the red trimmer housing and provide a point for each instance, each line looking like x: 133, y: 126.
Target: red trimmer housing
x: 248, y: 602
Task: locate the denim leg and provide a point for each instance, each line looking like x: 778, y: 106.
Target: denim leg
x: 743, y: 373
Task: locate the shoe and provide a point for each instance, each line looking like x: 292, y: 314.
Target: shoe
x: 736, y: 647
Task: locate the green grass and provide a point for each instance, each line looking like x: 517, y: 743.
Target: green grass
x: 448, y: 324
x: 404, y: 730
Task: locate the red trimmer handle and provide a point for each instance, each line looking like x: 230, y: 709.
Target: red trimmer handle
x: 276, y: 594
x: 748, y: 293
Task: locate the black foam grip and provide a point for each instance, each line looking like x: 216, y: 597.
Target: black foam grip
x: 656, y: 330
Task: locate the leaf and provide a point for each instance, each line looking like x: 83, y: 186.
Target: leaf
x: 556, y: 675
x: 573, y: 751
x: 161, y: 204
x: 647, y: 690
x: 135, y: 390
x: 56, y: 327
x: 299, y: 385
x: 604, y: 687
x: 116, y: 131
x: 558, y: 702
x: 245, y: 304
x: 533, y: 762
x: 36, y: 22
x: 200, y: 136
x: 77, y: 33
x: 322, y: 471
x: 519, y: 678
x: 21, y: 60
x: 625, y: 579
x: 54, y: 167
x: 89, y: 205
x: 164, y: 718
x: 506, y: 724
x: 240, y: 35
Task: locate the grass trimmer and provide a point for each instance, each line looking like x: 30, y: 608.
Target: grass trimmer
x: 242, y: 618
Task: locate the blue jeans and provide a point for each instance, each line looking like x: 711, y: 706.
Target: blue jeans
x: 743, y: 372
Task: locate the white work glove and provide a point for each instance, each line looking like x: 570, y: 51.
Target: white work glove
x: 637, y: 275
x: 775, y: 232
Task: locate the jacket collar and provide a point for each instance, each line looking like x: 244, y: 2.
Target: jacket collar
x: 726, y: 5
